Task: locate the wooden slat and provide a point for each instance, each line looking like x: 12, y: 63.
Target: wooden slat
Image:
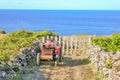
x: 51, y: 37
x: 75, y: 50
x: 59, y: 41
x: 67, y: 46
x: 43, y: 39
x: 89, y: 41
x: 71, y: 45
x: 56, y: 40
x: 63, y: 46
x: 47, y: 37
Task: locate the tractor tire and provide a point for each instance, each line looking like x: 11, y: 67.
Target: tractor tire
x: 38, y: 59
x: 60, y: 58
x: 60, y: 55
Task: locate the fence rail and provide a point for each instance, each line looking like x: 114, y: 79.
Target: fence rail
x: 69, y: 44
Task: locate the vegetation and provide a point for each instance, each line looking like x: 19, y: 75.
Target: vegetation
x: 10, y: 44
x: 108, y: 44
x: 108, y: 64
x: 2, y: 32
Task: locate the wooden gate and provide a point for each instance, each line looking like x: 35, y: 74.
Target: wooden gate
x: 70, y: 44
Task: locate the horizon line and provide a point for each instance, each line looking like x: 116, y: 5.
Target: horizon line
x: 69, y: 9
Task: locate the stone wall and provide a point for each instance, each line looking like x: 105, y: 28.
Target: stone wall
x: 17, y: 64
x: 107, y: 63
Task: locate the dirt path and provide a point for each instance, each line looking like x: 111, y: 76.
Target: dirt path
x: 72, y: 68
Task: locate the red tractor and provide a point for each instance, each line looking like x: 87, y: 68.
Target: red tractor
x: 49, y: 52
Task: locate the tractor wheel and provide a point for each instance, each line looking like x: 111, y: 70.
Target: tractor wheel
x: 60, y: 58
x: 60, y: 55
x: 38, y: 59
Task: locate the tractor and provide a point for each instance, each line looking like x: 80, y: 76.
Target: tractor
x: 48, y: 51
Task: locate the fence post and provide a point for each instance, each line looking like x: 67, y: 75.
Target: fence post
x: 43, y: 39
x: 51, y: 37
x: 75, y: 45
x: 59, y: 41
x: 56, y: 40
x: 79, y: 44
x: 71, y: 45
x: 89, y: 42
x: 67, y: 46
x: 63, y: 45
x: 47, y: 37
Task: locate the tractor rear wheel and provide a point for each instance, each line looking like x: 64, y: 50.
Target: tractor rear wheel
x: 38, y: 59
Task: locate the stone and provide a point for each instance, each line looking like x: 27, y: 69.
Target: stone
x: 23, y: 51
x: 105, y: 71
x: 3, y: 75
x: 98, y: 57
x: 116, y: 56
x: 116, y: 65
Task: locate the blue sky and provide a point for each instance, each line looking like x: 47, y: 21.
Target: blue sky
x: 61, y: 4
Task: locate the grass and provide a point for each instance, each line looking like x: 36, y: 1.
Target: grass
x: 32, y: 66
x: 96, y: 74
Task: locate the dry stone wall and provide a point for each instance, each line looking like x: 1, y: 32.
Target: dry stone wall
x: 107, y: 63
x: 17, y: 64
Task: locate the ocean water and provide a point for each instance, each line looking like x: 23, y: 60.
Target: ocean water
x: 62, y: 22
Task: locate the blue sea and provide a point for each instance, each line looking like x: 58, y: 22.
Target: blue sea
x: 62, y: 22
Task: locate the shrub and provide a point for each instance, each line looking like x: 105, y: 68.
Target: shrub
x: 44, y: 33
x: 2, y: 32
x: 108, y: 44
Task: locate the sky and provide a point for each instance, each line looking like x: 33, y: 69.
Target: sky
x: 61, y: 4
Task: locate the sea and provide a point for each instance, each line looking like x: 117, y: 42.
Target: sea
x: 62, y: 22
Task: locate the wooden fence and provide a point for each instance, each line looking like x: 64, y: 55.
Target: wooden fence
x: 69, y: 44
